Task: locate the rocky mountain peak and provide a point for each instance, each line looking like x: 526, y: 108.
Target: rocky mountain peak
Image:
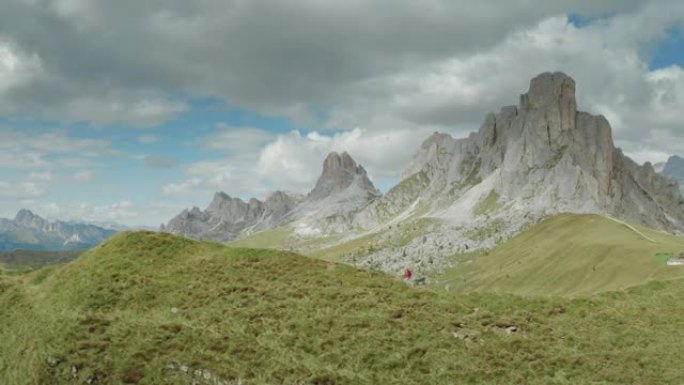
x: 339, y: 173
x: 28, y: 219
x: 674, y: 168
x: 551, y: 91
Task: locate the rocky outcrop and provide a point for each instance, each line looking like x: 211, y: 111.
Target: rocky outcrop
x: 528, y: 161
x: 544, y: 157
x: 342, y: 189
x: 538, y: 158
x: 341, y: 173
x: 28, y: 231
x: 227, y: 218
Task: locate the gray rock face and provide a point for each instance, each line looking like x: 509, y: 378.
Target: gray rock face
x: 539, y: 158
x: 28, y: 231
x: 340, y: 172
x: 342, y: 188
x: 228, y: 218
x: 545, y: 157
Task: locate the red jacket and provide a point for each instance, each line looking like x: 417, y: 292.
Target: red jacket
x: 407, y: 273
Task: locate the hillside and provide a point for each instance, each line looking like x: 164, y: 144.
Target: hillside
x: 37, y: 258
x: 147, y: 308
x: 570, y: 255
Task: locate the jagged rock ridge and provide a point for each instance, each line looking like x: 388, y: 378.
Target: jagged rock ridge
x: 539, y: 158
x: 227, y: 218
x: 28, y: 231
x: 342, y: 188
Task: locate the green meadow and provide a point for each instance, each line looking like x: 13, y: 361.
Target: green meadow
x: 148, y: 308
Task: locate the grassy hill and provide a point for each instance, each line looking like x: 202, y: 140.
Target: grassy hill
x: 148, y: 308
x: 570, y: 255
x: 37, y: 258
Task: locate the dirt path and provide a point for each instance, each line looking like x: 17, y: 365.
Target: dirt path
x: 632, y: 228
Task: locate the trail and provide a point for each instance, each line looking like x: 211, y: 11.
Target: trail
x: 632, y: 228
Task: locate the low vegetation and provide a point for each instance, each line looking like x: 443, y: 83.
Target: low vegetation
x: 35, y: 259
x: 570, y: 255
x: 148, y: 308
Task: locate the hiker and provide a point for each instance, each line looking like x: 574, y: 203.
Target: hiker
x: 407, y: 274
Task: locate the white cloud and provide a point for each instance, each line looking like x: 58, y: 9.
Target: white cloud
x: 237, y: 139
x: 293, y: 161
x: 45, y: 176
x: 22, y: 190
x: 83, y: 176
x: 131, y: 109
x: 16, y: 67
x: 148, y: 139
x: 122, y: 211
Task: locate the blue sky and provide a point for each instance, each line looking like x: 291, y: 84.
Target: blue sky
x: 134, y: 119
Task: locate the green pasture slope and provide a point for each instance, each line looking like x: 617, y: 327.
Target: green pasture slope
x: 570, y: 255
x: 147, y: 308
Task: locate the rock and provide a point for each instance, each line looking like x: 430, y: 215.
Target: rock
x: 53, y: 361
x: 227, y: 218
x: 342, y: 188
x: 340, y: 171
x: 539, y: 158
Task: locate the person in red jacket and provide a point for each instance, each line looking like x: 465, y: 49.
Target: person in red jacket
x: 407, y: 274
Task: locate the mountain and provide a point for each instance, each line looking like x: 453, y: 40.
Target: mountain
x: 227, y: 218
x: 674, y: 169
x: 342, y: 188
x: 28, y: 231
x: 152, y: 308
x: 527, y: 162
x: 544, y: 157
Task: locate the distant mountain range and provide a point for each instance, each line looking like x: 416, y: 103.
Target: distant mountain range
x: 674, y: 169
x: 343, y: 188
x: 28, y: 231
x: 527, y: 162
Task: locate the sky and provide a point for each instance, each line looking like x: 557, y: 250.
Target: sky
x: 129, y: 111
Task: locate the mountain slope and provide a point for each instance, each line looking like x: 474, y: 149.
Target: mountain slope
x: 148, y: 308
x: 28, y: 231
x: 539, y: 158
x: 570, y: 255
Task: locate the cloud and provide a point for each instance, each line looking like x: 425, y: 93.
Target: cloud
x: 45, y: 150
x: 105, y: 62
x: 45, y: 176
x: 83, y: 176
x: 159, y: 161
x: 22, y: 190
x: 293, y: 161
x: 148, y: 139
x: 122, y: 211
x: 51, y: 142
x: 236, y: 139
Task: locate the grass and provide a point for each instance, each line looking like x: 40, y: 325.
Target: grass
x: 267, y: 239
x: 148, y: 308
x: 570, y: 255
x: 488, y: 205
x: 284, y: 238
x: 37, y: 258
